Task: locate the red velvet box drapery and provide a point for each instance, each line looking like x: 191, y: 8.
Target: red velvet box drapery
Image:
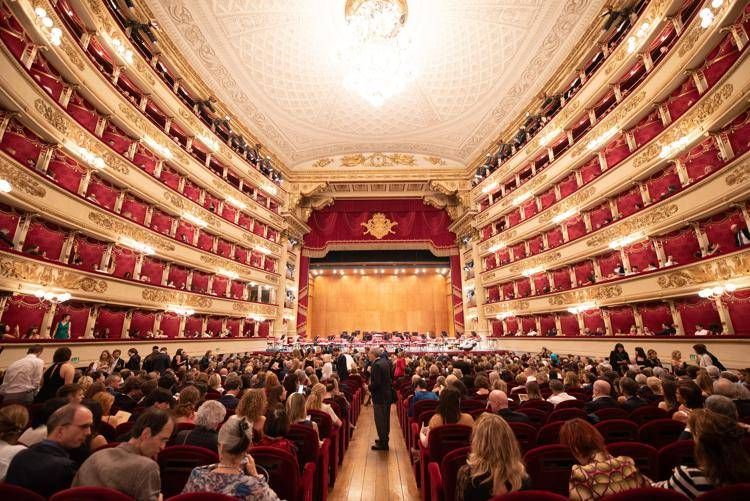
x: 214, y: 326
x: 205, y: 241
x: 568, y: 185
x: 170, y: 324
x: 524, y: 287
x: 21, y: 144
x: 161, y: 222
x: 191, y: 191
x: 718, y: 230
x: 654, y: 315
x: 124, y: 260
x: 102, y: 193
x: 507, y: 290
x: 697, y: 310
x: 600, y: 216
x: 682, y: 245
x: 641, y: 255
x: 170, y: 178
x: 503, y: 257
x: 134, y: 209
x: 200, y: 282
x: 302, y: 296
x: 79, y: 315
x: 193, y: 326
x: 224, y: 248
x: 541, y: 283
x: 116, y: 139
x: 236, y: 289
x: 489, y: 262
x: 493, y: 294
x: 592, y: 320
x: 153, y: 269
x: 616, y: 151
x: 66, y: 172
x: 663, y: 184
x: 682, y: 99
x: 738, y: 304
x: 720, y: 60
x: 145, y: 159
x: 457, y: 294
x: 555, y: 237
x: 142, y: 322
x: 562, y: 279
x: 527, y: 324
x: 591, y: 170
x: 82, y: 112
x: 185, y: 232
x: 569, y: 324
x: 514, y: 217
x: 608, y: 262
x: 512, y: 324
x: 259, y: 228
x: 622, y: 319
x: 630, y: 202
x: 547, y: 198
x: 178, y: 276
x: 270, y: 265
x: 89, y: 250
x: 228, y: 212
x: 9, y: 220
x: 546, y: 323
x: 529, y: 208
x: 110, y: 319
x: 535, y: 245
x: 647, y: 129
x: 233, y: 326
x: 519, y: 251
x: 576, y: 227
x: 739, y: 133
x: 48, y: 237
x: 702, y: 160
x: 497, y: 327
x: 25, y: 312
x: 583, y: 271
x: 219, y: 285
x: 265, y: 329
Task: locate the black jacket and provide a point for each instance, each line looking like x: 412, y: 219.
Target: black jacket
x: 44, y: 468
x: 512, y: 416
x: 134, y: 363
x: 380, y: 381
x: 600, y: 403
x: 341, y: 367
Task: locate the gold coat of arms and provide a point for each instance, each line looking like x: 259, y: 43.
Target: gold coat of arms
x: 379, y: 226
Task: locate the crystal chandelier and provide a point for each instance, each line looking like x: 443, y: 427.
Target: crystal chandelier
x: 376, y: 49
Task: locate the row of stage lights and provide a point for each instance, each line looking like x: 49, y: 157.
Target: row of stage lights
x: 381, y: 271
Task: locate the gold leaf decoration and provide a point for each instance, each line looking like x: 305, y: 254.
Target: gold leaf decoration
x: 570, y: 202
x: 72, y: 53
x: 167, y: 297
x: 223, y: 263
x: 633, y: 224
x: 535, y: 261
x: 723, y: 268
x: 739, y: 174
x: 323, y: 162
x: 378, y: 160
x: 379, y: 226
x: 52, y: 115
x: 600, y: 293
x: 435, y: 160
x: 246, y: 309
x: 19, y: 178
x: 183, y: 205
x: 129, y: 230
x: 15, y: 268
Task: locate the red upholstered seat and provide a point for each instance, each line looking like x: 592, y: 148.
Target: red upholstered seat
x: 309, y: 450
x: 90, y: 494
x: 327, y: 430
x: 440, y: 442
x: 570, y: 404
x: 566, y: 415
x: 530, y: 496
x: 201, y: 496
x: 283, y: 473
x: 679, y: 453
x: 549, y: 433
x: 16, y: 493
x: 176, y: 463
x: 646, y: 413
x: 611, y: 413
x: 542, y: 405
x: 443, y: 475
x: 618, y: 430
x: 536, y: 416
x: 525, y: 434
x: 645, y: 456
x: 549, y: 468
x: 646, y: 494
x: 738, y: 492
x: 660, y: 432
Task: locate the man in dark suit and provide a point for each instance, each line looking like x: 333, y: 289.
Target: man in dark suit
x: 232, y: 388
x: 381, y: 392
x: 118, y: 363
x: 629, y: 389
x: 497, y: 402
x: 601, y: 397
x: 341, y: 366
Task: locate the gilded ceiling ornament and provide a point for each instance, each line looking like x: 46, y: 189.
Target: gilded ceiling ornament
x: 379, y: 226
x: 378, y: 160
x: 435, y: 160
x: 45, y: 275
x: 19, y: 178
x: 53, y: 116
x: 165, y: 297
x: 323, y: 162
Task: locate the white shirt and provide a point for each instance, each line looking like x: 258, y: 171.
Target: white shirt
x: 702, y: 332
x: 23, y: 375
x: 7, y: 452
x: 560, y: 397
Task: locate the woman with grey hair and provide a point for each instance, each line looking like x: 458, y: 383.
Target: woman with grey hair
x: 208, y: 417
x: 235, y: 474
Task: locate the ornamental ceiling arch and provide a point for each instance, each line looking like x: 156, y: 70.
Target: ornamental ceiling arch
x: 478, y: 63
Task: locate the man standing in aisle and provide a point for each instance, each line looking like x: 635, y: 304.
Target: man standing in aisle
x: 381, y: 391
x: 23, y: 377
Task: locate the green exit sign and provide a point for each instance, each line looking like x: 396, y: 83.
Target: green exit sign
x: 74, y: 360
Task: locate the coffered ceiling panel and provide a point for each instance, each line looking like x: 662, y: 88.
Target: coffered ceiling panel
x: 477, y: 63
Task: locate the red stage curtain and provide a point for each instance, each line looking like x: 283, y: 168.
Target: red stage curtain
x: 702, y: 160
x: 112, y: 320
x: 79, y: 315
x: 647, y: 129
x: 739, y: 133
x: 161, y: 222
x: 48, y: 237
x: 642, y: 254
x: 142, y: 322
x: 568, y: 186
x: 124, y: 260
x: 593, y: 320
x: 133, y: 209
x: 457, y: 294
x: 89, y: 250
x: 555, y: 237
x: 170, y: 324
x: 720, y: 60
x: 630, y: 202
x: 738, y: 304
x: 219, y: 285
x: 591, y: 170
x: 178, y: 276
x: 547, y: 198
x: 153, y: 269
x: 616, y: 151
x: 682, y: 245
x: 106, y: 194
x: 718, y: 230
x: 654, y: 315
x: 8, y: 223
x: 569, y: 324
x: 116, y: 139
x: 697, y: 310
x: 193, y: 325
x: 25, y: 312
x: 600, y: 216
x: 576, y: 227
x: 302, y: 298
x: 608, y: 262
x: 682, y: 99
x: 562, y: 279
x: 200, y: 282
x: 622, y: 319
x: 66, y: 172
x: 663, y: 184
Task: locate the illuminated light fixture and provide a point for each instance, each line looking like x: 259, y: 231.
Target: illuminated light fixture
x: 497, y: 247
x: 160, y: 149
x: 211, y: 143
x: 234, y: 202
x: 707, y: 15
x: 255, y: 317
x: 635, y: 40
x: 605, y: 136
x: 528, y: 272
x: 137, y: 246
x: 522, y: 198
x: 376, y: 53
x: 548, y: 137
x: 718, y: 291
x: 622, y: 242
x: 52, y: 32
x: 120, y: 49
x: 228, y: 273
x: 445, y: 270
x: 179, y: 310
x: 263, y: 250
x: 53, y: 297
x: 580, y: 308
x: 505, y: 314
x: 194, y: 219
x: 269, y: 188
x: 87, y: 156
x: 5, y: 186
x: 675, y: 147
x: 490, y: 187
x: 564, y: 216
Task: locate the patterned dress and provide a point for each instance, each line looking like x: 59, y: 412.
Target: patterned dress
x: 603, y: 476
x: 238, y: 486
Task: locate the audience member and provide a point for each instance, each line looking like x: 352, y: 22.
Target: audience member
x: 208, y: 417
x: 13, y: 419
x: 23, y: 377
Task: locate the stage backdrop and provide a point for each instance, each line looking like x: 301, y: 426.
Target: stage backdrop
x: 414, y: 303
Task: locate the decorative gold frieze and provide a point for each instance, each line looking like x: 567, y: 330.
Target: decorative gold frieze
x: 506, y: 306
x: 183, y: 205
x: 167, y: 297
x: 736, y: 265
x: 739, y: 174
x: 614, y: 119
x: 14, y: 268
x: 272, y: 278
x: 378, y: 160
x: 134, y: 118
x: 128, y: 230
x: 323, y: 162
x: 435, y: 161
x: 20, y: 179
x: 379, y: 226
x: 600, y: 293
x: 633, y: 224
x: 52, y: 115
x: 571, y: 202
x: 535, y: 261
x: 219, y: 262
x: 189, y: 118
x: 248, y: 309
x: 72, y: 52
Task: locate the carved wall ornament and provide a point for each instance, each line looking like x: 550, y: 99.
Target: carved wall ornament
x: 20, y: 179
x: 52, y: 115
x: 379, y: 226
x: 739, y: 174
x: 633, y: 224
x: 15, y: 268
x: 600, y: 293
x: 118, y: 227
x: 435, y: 160
x: 506, y: 306
x: 223, y: 263
x: 378, y: 160
x: 724, y: 268
x: 323, y: 162
x: 535, y: 261
x: 184, y: 206
x: 167, y: 297
x: 570, y: 202
x: 246, y: 309
x: 72, y: 52
x: 135, y: 119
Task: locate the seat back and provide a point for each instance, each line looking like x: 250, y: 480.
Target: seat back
x: 478, y: 412
x: 108, y: 431
x: 17, y: 493
x: 675, y: 454
x: 449, y: 467
x: 646, y: 494
x: 283, y: 471
x: 446, y: 438
x: 306, y: 440
x: 468, y: 404
x: 542, y: 405
x: 424, y: 405
x: 202, y: 496
x: 525, y: 434
x: 537, y: 416
x: 646, y: 458
x: 324, y: 422
x: 660, y: 432
x: 549, y: 468
x: 570, y: 404
x: 176, y: 463
x: 737, y: 492
x: 647, y: 413
x: 183, y: 426
x: 566, y: 415
x: 618, y: 430
x: 611, y: 413
x: 91, y: 494
x: 530, y: 496
x: 549, y: 433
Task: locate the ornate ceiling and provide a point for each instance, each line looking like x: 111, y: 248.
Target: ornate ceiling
x: 272, y: 62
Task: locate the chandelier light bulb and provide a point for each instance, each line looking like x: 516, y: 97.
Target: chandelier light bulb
x: 5, y: 186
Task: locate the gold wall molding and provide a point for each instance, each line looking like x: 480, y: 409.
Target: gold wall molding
x: 48, y: 276
x: 166, y: 297
x: 600, y: 293
x: 543, y: 260
x: 54, y: 117
x: 502, y: 237
x: 739, y: 174
x: 726, y: 268
x: 322, y: 162
x: 435, y: 160
x: 223, y: 263
x: 570, y: 202
x: 505, y: 306
x: 268, y: 311
x: 20, y: 179
x: 633, y: 224
x: 184, y: 206
x: 121, y: 228
x: 378, y: 160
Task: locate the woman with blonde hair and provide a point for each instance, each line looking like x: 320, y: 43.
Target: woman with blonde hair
x: 494, y: 466
x: 13, y: 419
x: 704, y: 382
x: 296, y: 409
x: 315, y: 402
x: 187, y: 404
x: 271, y: 380
x: 106, y: 400
x: 85, y: 383
x: 214, y: 383
x: 533, y: 391
x: 252, y: 406
x: 571, y: 381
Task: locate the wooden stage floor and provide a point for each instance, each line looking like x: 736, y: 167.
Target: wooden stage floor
x: 374, y: 475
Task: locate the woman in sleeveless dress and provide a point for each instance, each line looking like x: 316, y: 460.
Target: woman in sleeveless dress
x: 62, y: 330
x: 61, y: 372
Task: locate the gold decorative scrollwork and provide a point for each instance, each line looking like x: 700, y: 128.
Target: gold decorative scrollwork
x: 633, y: 224
x: 739, y: 174
x: 323, y: 162
x: 165, y: 297
x: 535, y: 261
x: 379, y: 226
x: 181, y: 204
x: 569, y: 203
x: 600, y: 293
x: 53, y: 116
x: 254, y: 309
x: 378, y: 160
x: 223, y: 263
x: 48, y: 276
x: 724, y: 268
x: 121, y: 228
x: 435, y: 160
x: 20, y: 179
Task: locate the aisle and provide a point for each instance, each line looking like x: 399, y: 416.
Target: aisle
x: 373, y: 475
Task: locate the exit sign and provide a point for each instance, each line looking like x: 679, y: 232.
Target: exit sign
x: 74, y: 360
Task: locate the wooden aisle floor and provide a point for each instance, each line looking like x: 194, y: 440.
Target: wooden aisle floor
x: 375, y: 475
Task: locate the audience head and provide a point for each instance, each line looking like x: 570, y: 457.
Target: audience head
x: 13, y: 420
x: 70, y: 425
x: 295, y: 406
x: 718, y: 447
x: 105, y: 400
x: 495, y: 453
x: 317, y: 394
x: 584, y: 441
x: 151, y: 432
x: 72, y: 392
x: 449, y: 405
x: 602, y: 388
x: 252, y: 405
x: 689, y: 395
x: 497, y: 400
x: 61, y: 355
x: 210, y: 414
x: 277, y: 423
x: 556, y: 386
x: 159, y: 399
x: 628, y: 387
x: 235, y: 437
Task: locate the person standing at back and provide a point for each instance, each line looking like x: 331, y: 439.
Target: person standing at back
x: 380, y: 389
x: 23, y: 378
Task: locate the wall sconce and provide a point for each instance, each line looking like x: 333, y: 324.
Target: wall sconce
x: 580, y: 308
x: 718, y: 291
x: 52, y: 297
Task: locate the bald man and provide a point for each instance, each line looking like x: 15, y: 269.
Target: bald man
x: 497, y: 402
x: 601, y: 398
